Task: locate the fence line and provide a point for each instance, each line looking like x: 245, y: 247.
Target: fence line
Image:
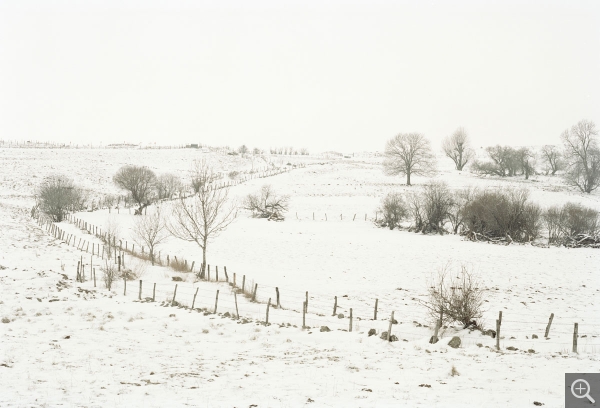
x: 309, y: 312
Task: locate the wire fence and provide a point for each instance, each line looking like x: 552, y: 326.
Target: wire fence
x: 237, y: 295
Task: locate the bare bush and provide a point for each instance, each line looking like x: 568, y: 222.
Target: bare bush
x: 167, y: 185
x: 503, y: 215
x: 139, y: 182
x: 393, y: 209
x: 552, y: 159
x: 460, y: 200
x: 408, y: 154
x: 234, y: 174
x: 569, y: 224
x: 150, y: 231
x: 111, y: 231
x: 110, y: 274
x: 455, y: 296
x: 205, y: 215
x: 430, y: 208
x: 267, y: 204
x: 458, y: 148
x: 57, y: 196
x: 582, y: 154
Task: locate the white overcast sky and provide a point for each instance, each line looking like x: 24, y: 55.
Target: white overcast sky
x: 343, y: 75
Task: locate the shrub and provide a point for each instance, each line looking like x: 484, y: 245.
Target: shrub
x: 58, y: 195
x: 268, y: 204
x: 565, y: 223
x: 110, y: 273
x: 455, y: 297
x: 504, y: 214
x: 431, y: 207
x: 233, y: 174
x: 393, y: 209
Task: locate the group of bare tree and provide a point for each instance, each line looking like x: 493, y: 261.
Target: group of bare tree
x: 288, y: 151
x: 410, y: 154
x: 144, y: 187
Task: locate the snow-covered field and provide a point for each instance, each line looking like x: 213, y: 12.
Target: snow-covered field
x: 73, y: 344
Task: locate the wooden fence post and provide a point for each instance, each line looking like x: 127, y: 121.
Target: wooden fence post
x: 78, y: 267
x: 236, y: 306
x: 216, y: 273
x: 334, y: 306
x: 216, y: 301
x: 194, y: 301
x: 575, y: 330
x: 498, y: 324
x: 174, y: 294
x: 549, y: 324
x: 254, y: 294
x: 303, y: 315
x: 234, y: 280
x: 140, y: 294
x: 119, y: 262
x: 390, y: 327
x: 192, y: 268
x: 154, y: 292
x: 277, y: 293
x: 226, y: 276
x: 268, y: 306
x: 375, y: 313
x: 307, y: 300
x: 124, y: 286
x: 244, y: 284
x: 350, y: 328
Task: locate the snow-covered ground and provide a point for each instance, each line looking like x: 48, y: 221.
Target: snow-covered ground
x: 68, y: 343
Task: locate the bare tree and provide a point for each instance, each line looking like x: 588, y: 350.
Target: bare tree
x: 150, y: 231
x: 140, y: 182
x: 58, y: 195
x: 526, y: 161
x: 552, y: 159
x: 243, y: 149
x: 167, y: 185
x: 504, y: 162
x: 204, y: 216
x: 583, y: 156
x: 268, y: 204
x: 200, y: 177
x: 457, y: 147
x: 408, y: 154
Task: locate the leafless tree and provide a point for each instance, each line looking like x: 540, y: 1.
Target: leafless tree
x: 150, y: 231
x: 526, y: 161
x: 140, y: 182
x: 243, y: 149
x: 552, y: 159
x: 430, y: 207
x: 457, y: 147
x: 267, y: 204
x: 408, y: 154
x: 167, y: 185
x: 58, y: 195
x: 203, y: 216
x: 110, y: 274
x: 201, y: 177
x: 583, y: 156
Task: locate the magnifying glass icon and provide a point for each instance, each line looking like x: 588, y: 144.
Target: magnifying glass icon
x: 582, y: 390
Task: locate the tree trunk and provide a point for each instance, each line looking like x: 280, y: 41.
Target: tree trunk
x: 203, y: 260
x: 152, y: 255
x: 408, y: 178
